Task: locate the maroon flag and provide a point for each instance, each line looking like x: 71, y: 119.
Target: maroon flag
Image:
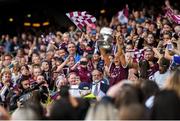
x: 170, y: 13
x: 172, y: 16
x: 81, y: 19
x: 123, y: 15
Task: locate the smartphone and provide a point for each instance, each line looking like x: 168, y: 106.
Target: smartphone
x: 66, y: 71
x: 132, y: 54
x: 170, y: 46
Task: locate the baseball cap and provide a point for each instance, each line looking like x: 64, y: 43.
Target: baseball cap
x: 84, y: 86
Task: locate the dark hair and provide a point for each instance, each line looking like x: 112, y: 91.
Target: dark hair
x: 36, y: 53
x: 8, y: 54
x: 59, y: 59
x: 34, y: 103
x: 62, y: 110
x: 166, y: 106
x: 20, y: 80
x: 63, y: 48
x: 128, y: 95
x: 164, y: 63
x: 26, y: 66
x: 168, y: 23
x: 64, y: 91
x: 149, y: 88
x: 144, y: 67
x: 155, y: 25
x: 168, y: 33
x: 49, y: 63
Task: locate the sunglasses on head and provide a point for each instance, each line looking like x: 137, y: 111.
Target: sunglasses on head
x: 83, y: 62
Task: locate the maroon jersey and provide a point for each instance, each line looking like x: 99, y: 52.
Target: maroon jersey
x: 117, y: 74
x: 153, y: 69
x: 84, y: 74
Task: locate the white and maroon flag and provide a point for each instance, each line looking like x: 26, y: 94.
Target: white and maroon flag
x: 123, y: 15
x: 173, y: 16
x: 81, y: 19
x: 170, y: 13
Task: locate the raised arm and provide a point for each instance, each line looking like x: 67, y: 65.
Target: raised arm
x: 167, y: 55
x: 120, y: 52
x: 105, y: 56
x: 59, y: 68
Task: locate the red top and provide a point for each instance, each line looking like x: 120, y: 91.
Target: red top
x: 84, y: 74
x: 117, y: 74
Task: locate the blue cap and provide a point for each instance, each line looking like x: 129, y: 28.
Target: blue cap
x: 93, y: 32
x: 84, y: 86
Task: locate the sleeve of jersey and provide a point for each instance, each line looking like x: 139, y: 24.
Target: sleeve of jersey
x: 176, y: 59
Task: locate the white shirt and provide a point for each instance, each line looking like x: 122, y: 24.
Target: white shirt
x: 161, y: 78
x: 149, y: 102
x: 97, y: 92
x: 74, y: 91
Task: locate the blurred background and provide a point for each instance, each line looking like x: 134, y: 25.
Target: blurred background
x: 25, y: 15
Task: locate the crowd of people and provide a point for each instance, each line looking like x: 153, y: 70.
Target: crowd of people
x: 67, y: 76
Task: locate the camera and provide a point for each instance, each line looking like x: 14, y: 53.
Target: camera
x: 28, y: 93
x: 25, y: 97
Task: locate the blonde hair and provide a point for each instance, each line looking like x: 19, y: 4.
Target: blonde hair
x: 5, y: 71
x: 102, y: 111
x: 173, y: 82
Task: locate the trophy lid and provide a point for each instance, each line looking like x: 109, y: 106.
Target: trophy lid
x: 106, y: 30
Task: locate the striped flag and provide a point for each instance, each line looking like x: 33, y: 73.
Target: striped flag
x: 81, y: 19
x: 138, y: 54
x: 123, y: 15
x: 50, y: 38
x: 3, y: 93
x: 172, y: 16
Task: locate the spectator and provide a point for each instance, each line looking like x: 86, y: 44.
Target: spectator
x: 172, y: 82
x: 100, y: 85
x: 7, y: 59
x: 153, y: 65
x: 47, y: 73
x: 72, y: 52
x: 4, y: 114
x: 166, y: 106
x: 28, y: 114
x: 161, y: 75
x: 83, y: 72
x: 132, y: 112
x: 149, y: 89
x: 145, y: 50
x: 74, y: 81
x: 24, y: 86
x: 85, y: 92
x: 102, y: 111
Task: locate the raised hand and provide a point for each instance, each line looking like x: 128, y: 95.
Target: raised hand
x: 167, y: 3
